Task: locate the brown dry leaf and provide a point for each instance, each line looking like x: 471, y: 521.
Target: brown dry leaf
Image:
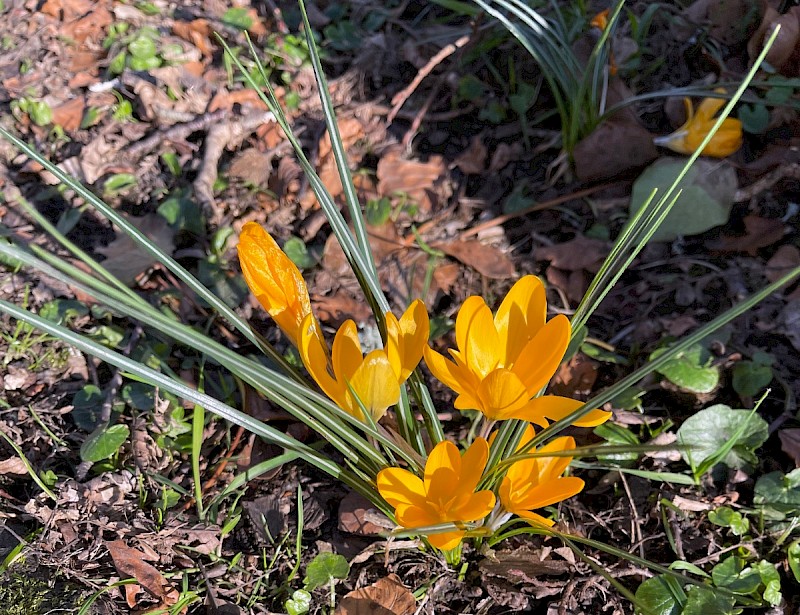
x: 485, y: 259
x: 472, y: 160
x: 785, y: 47
x: 419, y: 180
x: 252, y: 166
x: 353, y: 511
x: 226, y: 100
x: 335, y: 309
x: 786, y: 258
x: 13, y: 465
x: 575, y: 377
x: 576, y: 254
x: 522, y: 565
x: 790, y: 443
x: 729, y: 21
x: 129, y: 564
x: 387, y: 596
x: 126, y: 260
x: 197, y: 32
x: 69, y: 114
x: 617, y: 146
x: 759, y: 233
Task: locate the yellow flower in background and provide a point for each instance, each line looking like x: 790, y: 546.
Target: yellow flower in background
x: 502, y: 362
x: 537, y: 482
x: 406, y: 339
x: 274, y: 279
x: 445, y: 494
x: 375, y: 378
x: 698, y: 124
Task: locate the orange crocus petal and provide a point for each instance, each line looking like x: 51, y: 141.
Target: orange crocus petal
x: 555, y: 408
x: 521, y: 314
x: 442, y: 468
x: 315, y: 357
x: 398, y: 486
x: 550, y: 467
x: 472, y: 465
x: 688, y: 137
x: 446, y: 540
x: 274, y: 279
x: 501, y: 394
x: 346, y: 352
x: 375, y: 384
x: 535, y: 519
x: 406, y: 338
x: 477, y: 506
x: 482, y: 350
x: 549, y: 492
x: 446, y: 371
x: 541, y: 357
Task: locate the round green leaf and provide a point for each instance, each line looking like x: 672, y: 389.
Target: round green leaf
x: 779, y: 493
x: 103, y: 442
x: 323, y: 568
x: 655, y: 596
x: 750, y: 378
x: 705, y: 200
x: 712, y: 428
x: 690, y: 370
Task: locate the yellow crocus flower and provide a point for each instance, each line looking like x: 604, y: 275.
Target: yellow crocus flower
x: 502, y: 362
x: 375, y: 378
x: 274, y: 279
x: 445, y: 494
x: 537, y: 482
x: 688, y: 137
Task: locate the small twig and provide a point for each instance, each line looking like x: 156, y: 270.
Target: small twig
x: 402, y: 96
x: 423, y: 111
x: 178, y: 132
x: 636, y: 530
x: 533, y: 208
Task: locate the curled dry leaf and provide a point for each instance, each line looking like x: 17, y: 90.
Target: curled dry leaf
x: 387, y: 596
x: 786, y: 258
x: 472, y: 160
x: 576, y: 254
x: 354, y: 517
x: 759, y: 233
x: 785, y: 52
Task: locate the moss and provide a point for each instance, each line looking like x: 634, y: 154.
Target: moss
x: 25, y: 591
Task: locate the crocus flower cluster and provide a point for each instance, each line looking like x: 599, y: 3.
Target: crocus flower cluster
x: 698, y: 124
x: 500, y: 366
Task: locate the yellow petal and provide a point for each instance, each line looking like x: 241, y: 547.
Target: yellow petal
x: 521, y: 314
x: 375, y: 384
x: 553, y: 407
x: 541, y: 357
x: 550, y: 492
x: 406, y: 338
x: 398, y: 486
x: 446, y: 540
x: 553, y: 467
x: 473, y: 464
x: 346, y: 353
x: 274, y: 279
x: 502, y: 394
x: 476, y: 507
x: 415, y: 516
x: 442, y: 470
x: 708, y: 108
x: 453, y: 376
x: 535, y: 519
x: 314, y: 354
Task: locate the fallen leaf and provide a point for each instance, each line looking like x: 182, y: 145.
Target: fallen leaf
x: 575, y: 377
x: 522, y: 565
x: 13, y: 465
x: 485, y: 259
x: 353, y: 511
x: 226, y: 100
x: 419, y: 180
x: 790, y: 443
x: 69, y: 114
x: 731, y: 22
x: 335, y: 309
x: 784, y: 51
x: 129, y: 564
x: 472, y: 160
x: 252, y: 166
x: 786, y: 258
x: 125, y: 259
x: 615, y: 147
x: 576, y: 254
x: 387, y: 596
x: 197, y: 32
x: 759, y: 233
